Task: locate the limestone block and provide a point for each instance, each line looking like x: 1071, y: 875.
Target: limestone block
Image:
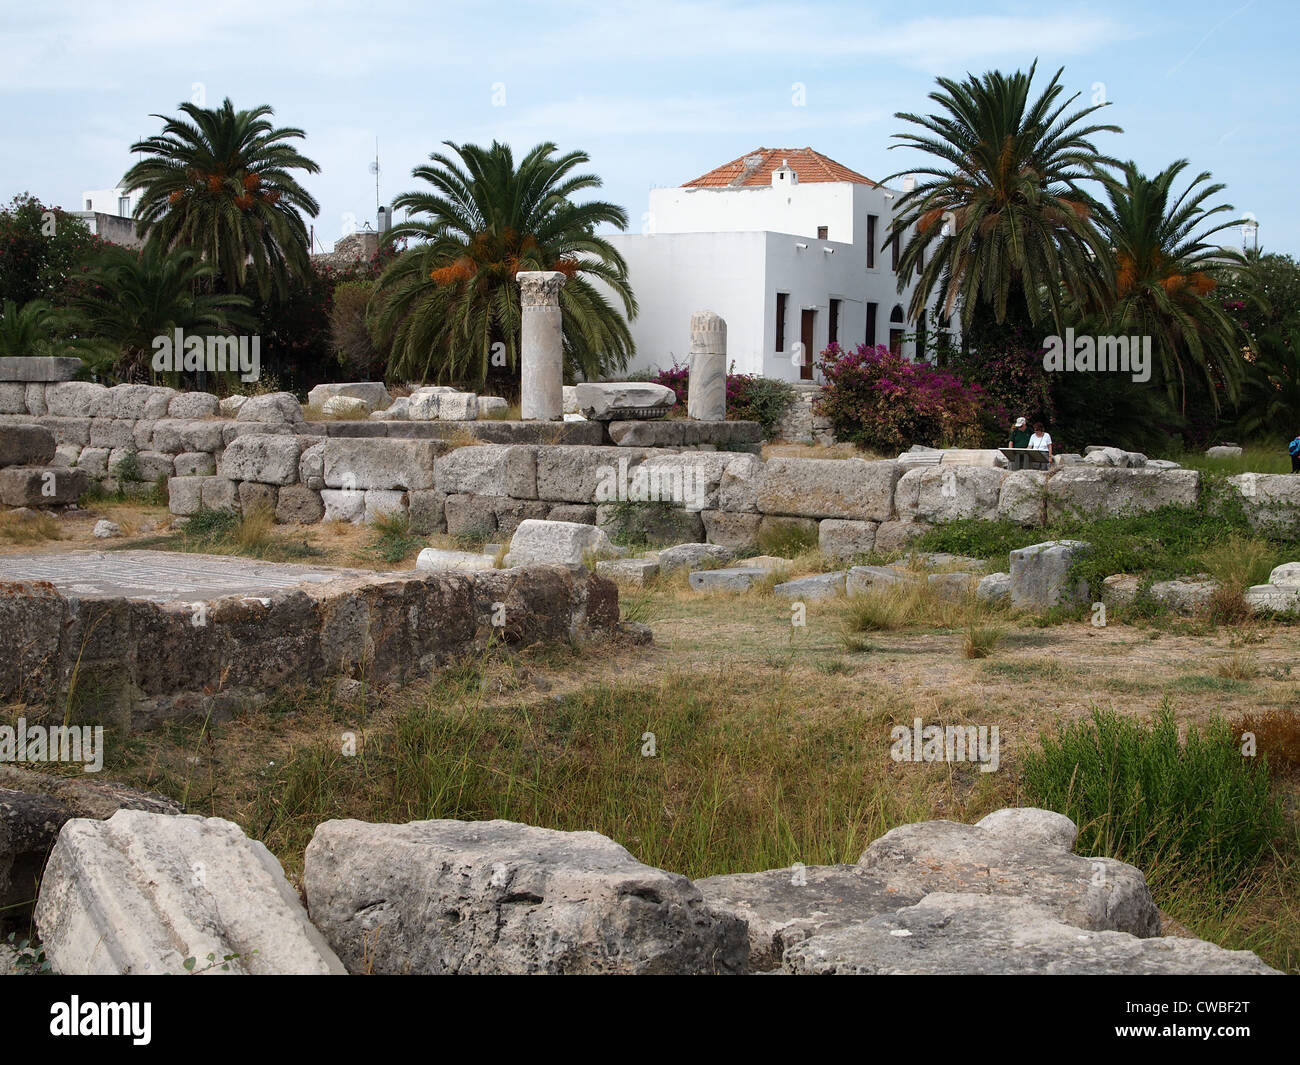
x: 498, y: 897
x: 192, y: 406
x: 828, y: 488
x: 344, y: 504
x: 1040, y: 575
x: 360, y: 462
x: 270, y: 459
x: 26, y: 445
x: 276, y: 408
x: 561, y: 542
x: 142, y: 893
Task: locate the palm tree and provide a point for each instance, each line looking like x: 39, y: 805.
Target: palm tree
x: 222, y: 183
x: 29, y: 329
x: 451, y: 297
x: 1004, y: 201
x: 1164, y: 271
x: 132, y: 297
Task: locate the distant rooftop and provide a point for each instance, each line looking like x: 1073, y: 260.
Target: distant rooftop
x: 755, y: 169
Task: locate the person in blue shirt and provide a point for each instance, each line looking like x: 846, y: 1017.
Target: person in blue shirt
x: 1293, y: 449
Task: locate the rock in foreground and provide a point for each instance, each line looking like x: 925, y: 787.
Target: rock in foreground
x: 948, y: 934
x: 141, y: 893
x: 499, y: 897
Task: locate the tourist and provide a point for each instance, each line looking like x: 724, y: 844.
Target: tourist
x: 1020, y: 434
x: 1041, y: 440
x: 1293, y: 449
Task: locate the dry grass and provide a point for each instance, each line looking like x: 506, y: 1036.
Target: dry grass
x: 1277, y: 737
x: 31, y: 528
x: 979, y: 641
x: 1238, y: 666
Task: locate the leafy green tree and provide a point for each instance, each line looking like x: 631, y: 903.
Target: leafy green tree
x: 133, y: 297
x: 1001, y: 220
x: 452, y: 296
x: 1264, y: 299
x: 41, y: 250
x: 29, y: 329
x: 1165, y: 269
x: 222, y: 182
x: 351, y: 332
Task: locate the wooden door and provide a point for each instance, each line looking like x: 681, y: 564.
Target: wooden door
x: 806, y: 323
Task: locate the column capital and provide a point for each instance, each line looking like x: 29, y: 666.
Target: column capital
x: 540, y: 288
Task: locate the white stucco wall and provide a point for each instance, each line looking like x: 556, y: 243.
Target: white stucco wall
x: 106, y: 201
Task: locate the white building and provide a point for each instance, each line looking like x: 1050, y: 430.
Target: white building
x: 111, y: 202
x: 787, y: 246
x: 108, y: 214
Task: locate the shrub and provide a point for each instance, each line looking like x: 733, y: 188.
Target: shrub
x: 1140, y: 795
x: 765, y: 400
x: 877, y: 399
x: 750, y: 397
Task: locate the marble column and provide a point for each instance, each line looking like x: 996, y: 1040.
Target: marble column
x: 706, y: 396
x: 541, y: 346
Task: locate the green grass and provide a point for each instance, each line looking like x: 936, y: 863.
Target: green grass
x: 1200, y: 682
x: 1158, y: 545
x: 786, y: 539
x: 392, y: 538
x: 752, y: 788
x: 1254, y: 458
x: 1194, y: 809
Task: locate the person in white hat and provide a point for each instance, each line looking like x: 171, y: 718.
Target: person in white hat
x: 1019, y: 434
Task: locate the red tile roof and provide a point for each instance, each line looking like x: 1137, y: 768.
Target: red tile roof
x: 755, y: 169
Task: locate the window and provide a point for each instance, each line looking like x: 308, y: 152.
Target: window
x: 920, y: 262
x: 833, y: 326
x: 872, y: 309
x: 921, y: 339
x: 893, y: 252
x: 871, y: 241
x: 781, y: 299
x: 88, y: 207
x: 822, y: 231
x: 123, y: 206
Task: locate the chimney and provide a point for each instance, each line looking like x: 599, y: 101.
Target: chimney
x: 784, y: 176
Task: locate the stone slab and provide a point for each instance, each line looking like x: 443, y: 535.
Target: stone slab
x: 162, y: 576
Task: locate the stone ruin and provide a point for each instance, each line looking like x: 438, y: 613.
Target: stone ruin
x: 935, y: 897
x: 119, y: 895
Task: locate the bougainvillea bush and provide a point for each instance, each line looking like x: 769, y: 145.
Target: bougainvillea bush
x: 879, y: 400
x: 750, y: 397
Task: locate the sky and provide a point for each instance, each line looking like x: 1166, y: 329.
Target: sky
x: 655, y: 94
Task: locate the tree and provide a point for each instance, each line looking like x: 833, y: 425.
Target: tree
x: 221, y: 182
x: 1264, y: 300
x: 1004, y: 205
x: 41, y: 250
x: 452, y: 296
x: 29, y: 329
x: 1165, y: 270
x: 133, y: 297
x: 351, y: 333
